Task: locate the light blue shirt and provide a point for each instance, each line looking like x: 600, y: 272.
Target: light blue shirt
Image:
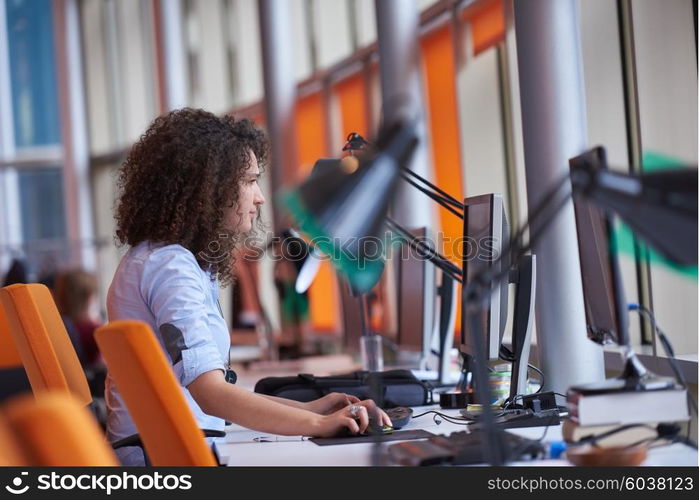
x: 165, y: 287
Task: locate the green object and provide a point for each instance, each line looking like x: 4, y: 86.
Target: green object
x: 624, y: 238
x: 652, y: 162
x: 294, y: 307
x: 361, y: 273
x: 343, y: 203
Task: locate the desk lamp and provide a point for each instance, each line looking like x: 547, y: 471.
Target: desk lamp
x: 342, y: 209
x: 305, y: 257
x: 659, y: 206
x: 355, y: 147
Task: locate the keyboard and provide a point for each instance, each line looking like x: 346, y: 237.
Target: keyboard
x: 461, y: 448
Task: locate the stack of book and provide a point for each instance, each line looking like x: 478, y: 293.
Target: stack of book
x: 594, y: 412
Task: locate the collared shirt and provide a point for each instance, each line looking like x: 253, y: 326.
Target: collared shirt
x: 165, y: 287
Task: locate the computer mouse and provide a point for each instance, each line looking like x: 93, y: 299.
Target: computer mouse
x: 400, y: 416
x: 374, y: 430
x: 371, y: 430
x: 345, y: 433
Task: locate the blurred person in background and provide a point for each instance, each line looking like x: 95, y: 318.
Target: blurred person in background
x: 289, y: 256
x: 75, y: 293
x: 17, y: 273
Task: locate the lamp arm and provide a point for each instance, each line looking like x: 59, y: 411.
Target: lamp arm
x: 551, y: 204
x: 449, y: 198
x: 434, y: 257
x: 444, y: 202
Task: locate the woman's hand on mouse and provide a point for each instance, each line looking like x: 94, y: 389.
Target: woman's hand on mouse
x: 350, y: 420
x: 337, y: 400
x: 377, y: 416
x: 354, y: 418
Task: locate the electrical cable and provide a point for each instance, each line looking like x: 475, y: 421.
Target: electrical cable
x: 667, y: 347
x: 448, y: 418
x: 541, y: 374
x: 593, y: 439
x: 506, y: 355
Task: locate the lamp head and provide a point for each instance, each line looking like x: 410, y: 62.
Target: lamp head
x: 660, y: 207
x: 342, y: 205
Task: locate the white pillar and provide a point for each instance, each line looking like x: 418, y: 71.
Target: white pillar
x: 81, y: 146
x: 280, y: 90
x: 172, y: 33
x: 397, y: 23
x: 555, y: 129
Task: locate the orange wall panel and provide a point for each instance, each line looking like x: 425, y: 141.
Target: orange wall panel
x: 440, y: 77
x: 310, y: 132
x: 310, y: 128
x: 487, y: 26
x: 351, y: 98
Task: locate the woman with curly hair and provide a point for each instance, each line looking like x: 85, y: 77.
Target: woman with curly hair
x: 188, y: 194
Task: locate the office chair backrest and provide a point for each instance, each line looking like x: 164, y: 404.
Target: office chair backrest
x: 11, y: 453
x: 165, y: 422
x: 42, y: 341
x: 9, y: 356
x: 55, y: 429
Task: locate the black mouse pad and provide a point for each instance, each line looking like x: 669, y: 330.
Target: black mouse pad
x: 393, y: 436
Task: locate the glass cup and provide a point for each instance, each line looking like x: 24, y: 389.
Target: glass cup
x: 372, y: 352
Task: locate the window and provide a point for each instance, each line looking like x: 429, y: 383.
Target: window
x: 32, y: 73
x: 33, y: 213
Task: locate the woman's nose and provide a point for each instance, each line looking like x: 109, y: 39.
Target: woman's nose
x: 259, y: 197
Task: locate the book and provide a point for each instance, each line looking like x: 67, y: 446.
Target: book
x: 573, y: 432
x: 627, y: 407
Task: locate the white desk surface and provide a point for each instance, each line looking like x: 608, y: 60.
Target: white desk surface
x: 238, y: 447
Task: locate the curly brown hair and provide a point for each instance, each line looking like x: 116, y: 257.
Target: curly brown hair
x: 179, y: 180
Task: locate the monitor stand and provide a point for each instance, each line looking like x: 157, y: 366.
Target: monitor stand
x: 525, y: 295
x: 434, y: 368
x: 443, y: 336
x: 524, y: 278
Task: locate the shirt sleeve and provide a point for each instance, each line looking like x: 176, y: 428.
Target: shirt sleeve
x: 174, y: 290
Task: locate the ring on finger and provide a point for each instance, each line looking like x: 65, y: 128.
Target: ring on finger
x: 354, y: 410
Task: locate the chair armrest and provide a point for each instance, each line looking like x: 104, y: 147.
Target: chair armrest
x: 212, y: 433
x: 135, y: 439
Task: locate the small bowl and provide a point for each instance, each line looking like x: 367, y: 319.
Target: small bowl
x: 612, y: 456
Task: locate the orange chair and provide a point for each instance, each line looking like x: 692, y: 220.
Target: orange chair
x: 54, y: 429
x: 9, y: 356
x: 11, y: 453
x: 166, y: 425
x: 42, y: 341
x: 13, y: 378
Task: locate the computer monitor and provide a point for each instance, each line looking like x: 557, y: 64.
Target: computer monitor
x: 486, y: 232
x: 605, y: 305
x: 352, y: 311
x: 415, y: 276
x: 426, y: 313
x: 486, y: 236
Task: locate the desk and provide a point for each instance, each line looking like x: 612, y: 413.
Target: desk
x: 238, y: 447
